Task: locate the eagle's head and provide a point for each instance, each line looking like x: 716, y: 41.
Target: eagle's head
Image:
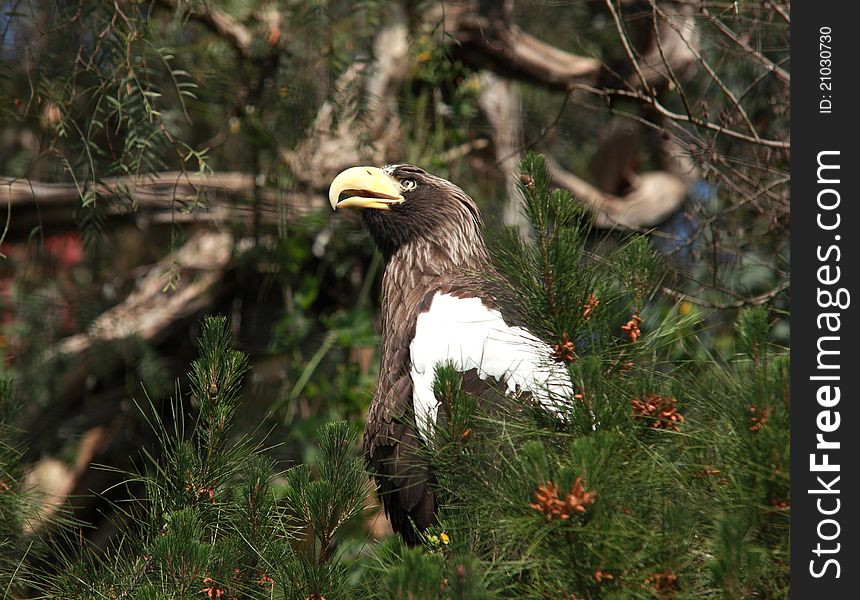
x: 402, y: 204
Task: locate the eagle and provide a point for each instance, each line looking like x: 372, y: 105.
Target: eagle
x: 436, y: 310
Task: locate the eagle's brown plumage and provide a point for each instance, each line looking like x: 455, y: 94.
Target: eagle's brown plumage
x: 431, y: 243
x: 430, y: 233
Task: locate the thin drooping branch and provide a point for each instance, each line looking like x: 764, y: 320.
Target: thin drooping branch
x: 651, y: 99
x: 226, y: 26
x: 656, y: 105
x: 778, y: 71
x: 709, y: 70
x: 628, y: 49
x: 657, y: 26
x: 670, y: 55
x: 688, y: 146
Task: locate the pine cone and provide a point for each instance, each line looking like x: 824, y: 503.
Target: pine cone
x: 663, y: 584
x: 758, y: 418
x: 563, y: 351
x: 590, y: 306
x: 554, y: 507
x: 661, y: 411
x: 631, y: 328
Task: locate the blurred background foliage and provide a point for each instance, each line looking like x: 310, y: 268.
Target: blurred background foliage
x: 162, y: 159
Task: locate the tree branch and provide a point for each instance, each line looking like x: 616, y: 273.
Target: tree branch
x: 150, y: 310
x: 652, y: 101
x: 501, y: 104
x: 778, y: 72
x: 780, y: 10
x: 174, y: 192
x: 493, y: 44
x: 753, y: 301
x: 710, y: 71
x: 653, y: 198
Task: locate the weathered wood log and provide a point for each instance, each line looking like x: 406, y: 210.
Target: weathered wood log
x: 171, y: 195
x: 150, y: 310
x: 503, y: 108
x: 653, y: 198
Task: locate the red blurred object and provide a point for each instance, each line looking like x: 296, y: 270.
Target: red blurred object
x: 66, y: 248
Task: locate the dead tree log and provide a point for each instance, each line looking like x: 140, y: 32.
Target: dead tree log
x: 653, y: 197
x: 502, y: 107
x: 151, y: 309
x: 166, y: 196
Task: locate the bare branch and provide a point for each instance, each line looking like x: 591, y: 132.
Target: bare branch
x: 671, y: 54
x: 652, y: 101
x: 778, y: 72
x: 728, y: 176
x: 670, y: 71
x: 463, y: 149
x: 710, y: 72
x: 509, y: 51
x: 170, y: 192
x: 780, y: 10
x: 753, y: 301
x: 149, y: 312
x: 627, y: 48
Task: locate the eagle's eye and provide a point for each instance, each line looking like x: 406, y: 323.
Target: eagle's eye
x: 407, y: 184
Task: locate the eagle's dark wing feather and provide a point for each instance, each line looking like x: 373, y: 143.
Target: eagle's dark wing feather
x: 393, y: 446
x: 393, y: 453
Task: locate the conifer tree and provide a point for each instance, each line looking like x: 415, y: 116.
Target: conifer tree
x: 15, y: 506
x: 663, y: 479
x: 215, y: 518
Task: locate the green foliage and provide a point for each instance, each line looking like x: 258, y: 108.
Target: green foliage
x: 655, y: 480
x: 210, y: 512
x: 14, y: 507
x: 98, y: 90
x: 324, y: 337
x: 216, y: 379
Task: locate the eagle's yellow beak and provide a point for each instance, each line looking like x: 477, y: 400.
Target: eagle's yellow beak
x: 364, y: 187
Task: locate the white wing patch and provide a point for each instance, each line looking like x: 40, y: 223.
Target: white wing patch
x: 467, y: 334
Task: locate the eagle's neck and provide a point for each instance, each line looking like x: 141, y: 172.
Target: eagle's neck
x: 415, y: 267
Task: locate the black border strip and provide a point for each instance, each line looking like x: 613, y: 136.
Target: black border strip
x: 825, y: 262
